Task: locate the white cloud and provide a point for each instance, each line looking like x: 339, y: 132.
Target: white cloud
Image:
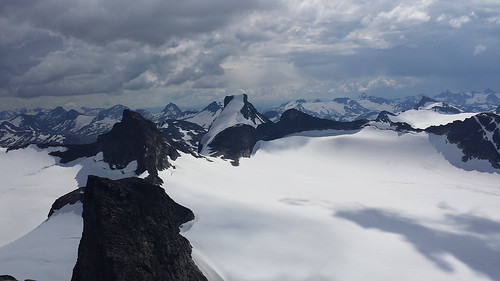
x: 457, y: 22
x: 377, y: 82
x: 403, y: 13
x: 495, y: 20
x: 479, y: 49
x: 442, y: 17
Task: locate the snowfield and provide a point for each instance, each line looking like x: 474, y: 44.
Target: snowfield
x: 371, y: 204
x: 367, y: 205
x: 423, y: 119
x: 49, y: 252
x: 31, y: 182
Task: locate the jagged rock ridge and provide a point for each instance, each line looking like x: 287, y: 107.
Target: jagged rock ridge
x: 237, y: 111
x: 238, y: 141
x: 134, y: 138
x: 131, y: 232
x: 478, y: 137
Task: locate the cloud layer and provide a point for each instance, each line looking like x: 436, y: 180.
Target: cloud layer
x: 196, y: 51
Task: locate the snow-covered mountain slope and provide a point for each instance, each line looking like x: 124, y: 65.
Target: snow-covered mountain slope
x: 206, y: 116
x: 485, y: 101
x: 342, y: 109
x: 237, y: 111
x: 326, y: 205
x: 316, y: 205
x: 182, y: 132
x: 392, y: 105
x: 58, y: 126
x: 32, y: 180
x: 345, y: 109
x: 427, y: 103
x: 32, y: 246
x: 48, y: 252
x: 368, y: 107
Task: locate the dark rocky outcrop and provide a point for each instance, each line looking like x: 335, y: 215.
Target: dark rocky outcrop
x: 131, y: 232
x: 238, y: 141
x: 478, y: 137
x: 69, y: 198
x: 7, y: 278
x: 384, y: 116
x: 294, y: 121
x: 249, y: 111
x: 235, y: 142
x: 134, y: 138
x: 11, y: 278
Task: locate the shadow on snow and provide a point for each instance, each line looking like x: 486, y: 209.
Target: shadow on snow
x: 470, y: 247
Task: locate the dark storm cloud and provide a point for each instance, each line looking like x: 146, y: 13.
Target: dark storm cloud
x: 149, y: 21
x: 81, y: 47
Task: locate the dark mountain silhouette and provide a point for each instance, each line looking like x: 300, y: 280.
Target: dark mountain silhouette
x: 238, y: 141
x: 134, y: 138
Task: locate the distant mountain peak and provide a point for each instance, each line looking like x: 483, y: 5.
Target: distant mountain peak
x: 489, y: 91
x: 237, y: 111
x: 212, y: 107
x: 427, y: 103
x: 172, y: 107
x: 132, y: 139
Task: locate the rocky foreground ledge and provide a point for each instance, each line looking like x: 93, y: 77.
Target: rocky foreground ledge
x: 131, y: 232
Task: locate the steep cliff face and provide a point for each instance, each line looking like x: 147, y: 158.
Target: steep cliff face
x: 131, y: 232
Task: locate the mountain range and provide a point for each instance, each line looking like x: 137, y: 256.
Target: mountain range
x: 60, y: 126
x: 414, y: 188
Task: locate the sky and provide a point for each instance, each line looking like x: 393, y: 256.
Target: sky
x: 191, y: 52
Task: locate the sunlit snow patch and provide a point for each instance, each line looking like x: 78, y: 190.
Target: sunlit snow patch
x: 422, y: 119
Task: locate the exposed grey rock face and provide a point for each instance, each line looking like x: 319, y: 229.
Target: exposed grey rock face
x: 131, y: 232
